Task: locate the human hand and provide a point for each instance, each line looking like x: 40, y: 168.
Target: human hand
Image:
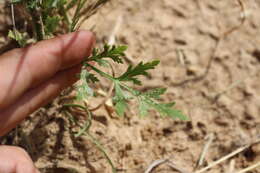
x: 31, y: 77
x: 15, y: 160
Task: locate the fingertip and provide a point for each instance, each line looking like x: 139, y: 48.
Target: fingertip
x: 78, y: 46
x: 88, y: 38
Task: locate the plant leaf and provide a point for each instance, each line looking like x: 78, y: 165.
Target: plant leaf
x: 83, y: 90
x: 166, y: 110
x: 21, y: 38
x: 140, y: 69
x: 91, y: 78
x: 120, y: 107
x: 120, y: 99
x: 111, y: 52
x: 155, y: 93
x: 143, y: 108
x: 102, y: 62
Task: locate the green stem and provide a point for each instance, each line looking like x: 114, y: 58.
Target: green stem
x: 65, y: 15
x: 36, y: 15
x: 71, y: 118
x: 132, y: 91
x: 99, y: 146
x: 92, y: 138
x: 74, y: 19
x: 87, y: 124
x: 71, y: 4
x: 76, y: 16
x: 101, y: 72
x: 36, y: 19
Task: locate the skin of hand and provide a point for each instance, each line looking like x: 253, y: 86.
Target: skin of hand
x: 30, y: 78
x: 15, y: 160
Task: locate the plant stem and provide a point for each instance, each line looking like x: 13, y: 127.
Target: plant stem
x: 85, y: 130
x: 101, y: 72
x: 99, y: 146
x: 37, y: 23
x: 65, y: 15
x: 76, y: 17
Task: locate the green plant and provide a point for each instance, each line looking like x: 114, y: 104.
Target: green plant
x: 50, y: 17
x: 147, y: 100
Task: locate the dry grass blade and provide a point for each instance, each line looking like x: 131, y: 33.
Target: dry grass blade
x: 239, y: 150
x: 210, y: 139
x: 13, y: 16
x: 231, y: 166
x: 90, y: 10
x: 112, y: 37
x: 156, y: 163
x: 250, y: 168
x: 243, y: 19
x: 173, y: 166
x: 232, y: 86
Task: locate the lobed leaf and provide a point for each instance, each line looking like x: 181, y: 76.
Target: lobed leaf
x: 165, y: 109
x: 114, y: 53
x: 120, y: 99
x: 21, y: 38
x: 155, y: 93
x: 143, y: 108
x: 121, y: 107
x: 83, y: 90
x: 140, y: 69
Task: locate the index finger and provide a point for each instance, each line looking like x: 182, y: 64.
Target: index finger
x: 27, y: 67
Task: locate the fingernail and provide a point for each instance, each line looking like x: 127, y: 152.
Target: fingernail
x: 91, y: 41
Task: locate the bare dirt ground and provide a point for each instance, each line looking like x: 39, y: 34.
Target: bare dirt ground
x: 212, y: 74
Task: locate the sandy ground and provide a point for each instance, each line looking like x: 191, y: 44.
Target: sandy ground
x: 211, y: 73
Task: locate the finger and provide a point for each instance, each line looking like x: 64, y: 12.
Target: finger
x: 36, y: 98
x: 23, y: 68
x: 15, y: 160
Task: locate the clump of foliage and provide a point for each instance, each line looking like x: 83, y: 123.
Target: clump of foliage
x: 48, y: 18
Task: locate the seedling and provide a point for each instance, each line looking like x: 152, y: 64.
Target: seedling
x: 47, y: 18
x: 48, y: 15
